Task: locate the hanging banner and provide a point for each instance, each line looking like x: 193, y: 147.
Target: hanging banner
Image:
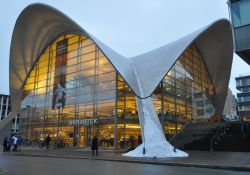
x: 58, y: 100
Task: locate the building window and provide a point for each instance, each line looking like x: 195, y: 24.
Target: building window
x: 240, y: 13
x: 72, y: 80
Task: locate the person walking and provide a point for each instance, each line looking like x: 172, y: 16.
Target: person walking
x: 42, y: 142
x: 14, y: 138
x: 19, y: 143
x: 9, y: 143
x: 47, y: 141
x: 94, y: 146
x: 5, y: 143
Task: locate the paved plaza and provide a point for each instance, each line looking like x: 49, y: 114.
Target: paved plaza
x: 65, y: 161
x: 29, y: 165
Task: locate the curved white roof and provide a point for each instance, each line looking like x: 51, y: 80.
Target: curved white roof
x: 39, y: 25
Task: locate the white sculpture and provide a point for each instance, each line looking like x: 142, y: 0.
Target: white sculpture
x: 153, y: 137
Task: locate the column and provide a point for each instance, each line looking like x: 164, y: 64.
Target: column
x: 1, y: 105
x: 7, y: 105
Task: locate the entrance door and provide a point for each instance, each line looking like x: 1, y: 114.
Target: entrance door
x: 88, y: 135
x: 81, y: 137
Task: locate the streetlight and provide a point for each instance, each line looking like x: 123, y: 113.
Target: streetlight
x: 175, y: 130
x: 176, y: 127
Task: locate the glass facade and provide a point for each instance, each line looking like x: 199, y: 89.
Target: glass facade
x: 240, y: 19
x: 243, y: 82
x: 243, y: 96
x: 240, y: 13
x: 74, y: 93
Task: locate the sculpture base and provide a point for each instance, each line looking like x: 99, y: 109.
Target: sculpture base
x: 156, y: 151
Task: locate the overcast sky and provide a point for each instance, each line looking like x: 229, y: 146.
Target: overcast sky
x: 130, y: 27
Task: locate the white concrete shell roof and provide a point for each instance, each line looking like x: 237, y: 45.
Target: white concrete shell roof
x: 39, y: 25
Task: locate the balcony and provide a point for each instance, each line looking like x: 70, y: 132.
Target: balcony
x: 243, y: 94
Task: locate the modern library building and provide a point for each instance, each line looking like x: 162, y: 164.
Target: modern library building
x: 67, y: 84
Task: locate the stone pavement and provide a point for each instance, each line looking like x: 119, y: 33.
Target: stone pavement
x: 239, y: 161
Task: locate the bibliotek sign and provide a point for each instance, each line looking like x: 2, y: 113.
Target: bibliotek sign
x: 83, y: 122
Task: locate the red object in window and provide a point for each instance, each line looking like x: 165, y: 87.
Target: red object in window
x: 215, y: 118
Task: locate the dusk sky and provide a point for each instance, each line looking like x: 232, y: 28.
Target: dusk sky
x: 129, y: 27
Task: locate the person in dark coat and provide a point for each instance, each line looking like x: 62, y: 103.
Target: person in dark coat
x: 9, y: 143
x: 47, y: 141
x: 5, y: 142
x: 19, y: 143
x: 94, y: 146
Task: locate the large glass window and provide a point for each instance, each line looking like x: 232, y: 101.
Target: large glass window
x: 128, y: 129
x: 187, y: 90
x: 73, y: 84
x: 185, y: 94
x: 71, y: 81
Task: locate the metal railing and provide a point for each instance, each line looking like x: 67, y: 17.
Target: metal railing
x: 217, y: 136
x: 173, y: 137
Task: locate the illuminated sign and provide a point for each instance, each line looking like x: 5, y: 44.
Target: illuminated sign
x: 83, y: 122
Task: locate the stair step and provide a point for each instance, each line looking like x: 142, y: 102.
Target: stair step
x: 198, y: 137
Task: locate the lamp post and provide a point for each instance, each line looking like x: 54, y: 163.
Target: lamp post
x: 144, y: 140
x: 175, y: 130
x: 176, y: 127
x: 57, y: 131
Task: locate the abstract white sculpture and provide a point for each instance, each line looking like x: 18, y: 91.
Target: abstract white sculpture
x: 153, y: 138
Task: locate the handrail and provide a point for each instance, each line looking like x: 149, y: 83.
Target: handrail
x: 215, y: 135
x: 170, y: 140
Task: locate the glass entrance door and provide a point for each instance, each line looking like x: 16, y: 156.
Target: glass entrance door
x: 88, y: 135
x: 81, y: 137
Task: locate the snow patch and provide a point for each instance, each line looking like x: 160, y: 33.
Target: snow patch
x: 156, y: 151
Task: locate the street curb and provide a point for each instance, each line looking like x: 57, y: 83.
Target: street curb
x: 222, y: 167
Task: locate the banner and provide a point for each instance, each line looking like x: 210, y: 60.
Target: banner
x: 58, y: 100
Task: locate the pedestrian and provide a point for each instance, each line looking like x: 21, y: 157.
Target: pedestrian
x: 139, y: 140
x: 132, y: 143
x: 19, y: 143
x: 5, y: 142
x: 94, y: 146
x: 42, y: 142
x: 47, y: 141
x: 243, y: 130
x: 9, y: 143
x: 14, y: 138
